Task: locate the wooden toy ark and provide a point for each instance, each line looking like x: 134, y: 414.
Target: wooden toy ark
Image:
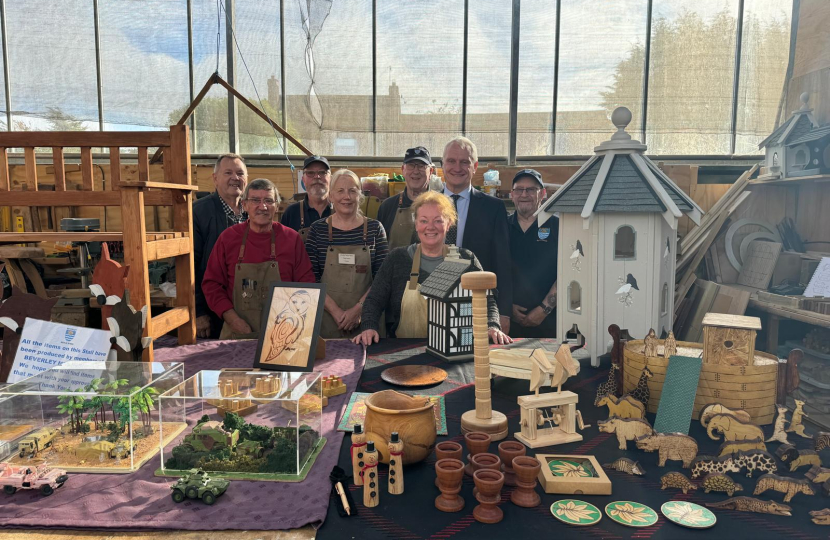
x: 790, y: 487
x: 670, y: 446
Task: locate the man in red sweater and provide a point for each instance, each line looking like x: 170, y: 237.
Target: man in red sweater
x: 244, y: 262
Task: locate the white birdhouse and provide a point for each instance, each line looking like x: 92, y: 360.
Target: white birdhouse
x: 617, y: 241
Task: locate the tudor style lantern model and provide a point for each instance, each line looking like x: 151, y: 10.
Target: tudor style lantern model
x: 617, y: 241
x: 449, y: 311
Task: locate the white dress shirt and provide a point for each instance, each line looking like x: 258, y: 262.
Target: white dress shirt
x: 463, y: 209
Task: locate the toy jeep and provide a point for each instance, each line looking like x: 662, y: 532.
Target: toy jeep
x: 14, y: 477
x: 197, y: 485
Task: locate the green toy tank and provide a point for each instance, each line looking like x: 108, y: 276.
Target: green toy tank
x: 250, y: 448
x: 210, y: 436
x: 198, y: 485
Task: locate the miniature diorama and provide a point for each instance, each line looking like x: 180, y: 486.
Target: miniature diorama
x: 627, y: 466
x: 198, y: 485
x: 87, y: 416
x: 569, y: 475
x: 790, y: 487
x: 750, y: 504
x: 623, y: 211
x: 30, y: 476
x: 278, y: 439
x: 449, y: 311
x: 677, y: 480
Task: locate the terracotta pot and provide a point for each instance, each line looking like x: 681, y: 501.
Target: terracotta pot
x: 447, y: 450
x: 450, y: 473
x: 477, y: 442
x: 527, y: 471
x: 485, y: 460
x: 508, y: 450
x: 412, y: 417
x: 489, y: 484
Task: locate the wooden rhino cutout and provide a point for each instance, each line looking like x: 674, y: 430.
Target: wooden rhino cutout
x: 13, y: 314
x: 109, y: 283
x: 127, y: 326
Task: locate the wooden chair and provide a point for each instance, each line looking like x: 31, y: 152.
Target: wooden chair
x: 139, y: 246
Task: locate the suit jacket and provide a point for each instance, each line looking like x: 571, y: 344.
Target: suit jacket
x: 209, y: 221
x: 486, y: 235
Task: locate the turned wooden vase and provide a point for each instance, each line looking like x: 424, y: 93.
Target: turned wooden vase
x: 508, y: 450
x: 527, y: 471
x: 448, y: 450
x: 412, y: 417
x: 450, y: 473
x: 489, y: 484
x: 477, y: 442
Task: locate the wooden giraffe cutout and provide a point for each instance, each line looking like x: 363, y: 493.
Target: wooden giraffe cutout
x: 112, y: 277
x: 609, y: 386
x: 17, y: 307
x: 642, y: 393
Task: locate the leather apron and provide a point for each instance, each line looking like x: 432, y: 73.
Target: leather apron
x: 303, y: 229
x: 402, y: 227
x: 347, y: 275
x: 251, y: 286
x: 413, y: 323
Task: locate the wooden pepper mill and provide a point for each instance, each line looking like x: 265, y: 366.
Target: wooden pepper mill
x: 483, y: 418
x: 358, y: 448
x: 371, y: 493
x: 395, y: 464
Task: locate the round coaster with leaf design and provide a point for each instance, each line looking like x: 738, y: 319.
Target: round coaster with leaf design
x: 631, y: 514
x: 570, y: 468
x: 409, y: 375
x: 575, y: 512
x: 688, y: 514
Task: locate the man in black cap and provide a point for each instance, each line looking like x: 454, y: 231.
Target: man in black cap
x: 316, y: 179
x: 534, y: 261
x: 393, y: 212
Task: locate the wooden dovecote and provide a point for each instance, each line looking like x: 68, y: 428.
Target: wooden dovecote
x: 798, y: 147
x: 729, y: 339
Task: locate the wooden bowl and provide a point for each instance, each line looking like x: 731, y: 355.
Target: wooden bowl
x: 412, y: 417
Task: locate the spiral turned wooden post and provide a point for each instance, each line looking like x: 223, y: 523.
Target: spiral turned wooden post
x: 483, y: 418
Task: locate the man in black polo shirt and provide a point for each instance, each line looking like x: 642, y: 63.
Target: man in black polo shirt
x: 316, y: 178
x: 534, y: 251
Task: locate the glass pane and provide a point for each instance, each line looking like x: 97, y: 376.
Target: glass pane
x: 52, y: 65
x: 144, y: 63
x: 624, y: 240
x: 211, y: 131
x: 537, y: 46
x: 329, y: 75
x: 601, y: 66
x: 691, y: 77
x: 664, y: 299
x: 764, y: 56
x: 488, y: 76
x: 420, y: 63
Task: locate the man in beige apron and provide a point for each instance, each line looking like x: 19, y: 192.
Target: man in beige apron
x: 394, y: 213
x: 347, y: 275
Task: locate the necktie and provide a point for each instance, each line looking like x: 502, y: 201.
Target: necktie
x: 452, y: 234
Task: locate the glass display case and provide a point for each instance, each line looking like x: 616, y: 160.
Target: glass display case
x: 244, y: 424
x: 98, y: 417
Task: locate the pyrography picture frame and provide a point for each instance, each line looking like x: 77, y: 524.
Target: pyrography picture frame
x: 292, y: 317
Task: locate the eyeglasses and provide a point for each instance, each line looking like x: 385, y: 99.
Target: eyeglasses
x: 529, y: 191
x: 417, y: 166
x: 316, y: 174
x: 257, y: 201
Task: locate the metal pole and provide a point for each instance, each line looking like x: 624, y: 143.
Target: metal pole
x: 233, y: 106
x: 646, y: 69
x: 190, y: 76
x: 514, y: 84
x: 98, y: 74
x: 464, y: 69
x: 555, y: 77
x: 6, y: 82
x: 736, y: 82
x: 374, y: 78
x: 282, y: 74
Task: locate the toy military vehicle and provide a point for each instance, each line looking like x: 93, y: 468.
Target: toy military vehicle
x: 41, y: 477
x: 37, y: 441
x: 209, y: 436
x: 197, y: 485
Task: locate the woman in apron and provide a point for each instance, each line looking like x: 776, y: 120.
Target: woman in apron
x: 346, y: 251
x: 396, y: 292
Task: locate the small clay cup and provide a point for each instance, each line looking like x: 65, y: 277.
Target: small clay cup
x: 485, y: 460
x: 450, y: 473
x: 489, y: 484
x: 527, y: 471
x: 448, y: 450
x: 477, y: 442
x: 508, y: 450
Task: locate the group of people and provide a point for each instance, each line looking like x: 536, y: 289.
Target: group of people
x: 372, y: 269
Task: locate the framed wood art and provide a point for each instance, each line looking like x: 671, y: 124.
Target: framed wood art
x: 572, y: 475
x: 292, y: 315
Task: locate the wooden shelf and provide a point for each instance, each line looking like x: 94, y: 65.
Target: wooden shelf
x: 794, y: 180
x: 158, y: 185
x: 33, y: 237
x: 809, y: 317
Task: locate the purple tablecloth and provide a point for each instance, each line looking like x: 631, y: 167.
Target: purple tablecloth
x: 142, y: 501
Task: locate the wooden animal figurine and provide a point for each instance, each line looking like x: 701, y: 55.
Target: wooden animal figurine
x: 732, y: 447
x: 790, y: 487
x: 825, y: 488
x: 627, y: 466
x: 732, y: 429
x: 673, y: 446
x: 371, y: 493
x: 358, y: 451
x: 395, y: 464
x: 13, y: 313
x: 749, y: 504
x: 617, y: 356
x: 669, y: 346
x: 817, y: 474
x: 707, y: 412
x: 626, y: 429
x: 796, y: 425
x: 822, y: 441
x: 609, y: 386
x: 128, y: 323
x: 820, y: 517
x: 799, y: 458
x: 650, y: 345
x: 110, y: 281
x: 624, y: 407
x: 779, y: 434
x: 677, y: 480
x: 703, y: 465
x: 641, y: 393
x: 720, y: 482
x: 756, y: 460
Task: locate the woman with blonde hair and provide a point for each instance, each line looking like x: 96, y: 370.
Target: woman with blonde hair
x: 396, y: 291
x: 346, y: 251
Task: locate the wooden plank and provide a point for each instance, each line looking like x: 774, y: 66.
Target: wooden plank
x: 22, y: 139
x: 115, y: 168
x: 20, y: 252
x: 59, y: 168
x: 169, y: 320
x: 5, y: 179
x: 708, y: 291
x: 143, y: 166
x: 61, y: 236
x: 86, y: 169
x: 31, y: 168
x: 135, y: 254
x: 171, y: 247
x: 80, y: 198
x: 800, y: 315
x: 160, y: 185
x: 180, y: 173
x: 723, y: 320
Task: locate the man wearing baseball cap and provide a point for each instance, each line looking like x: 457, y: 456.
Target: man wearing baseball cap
x: 535, y: 251
x: 316, y: 178
x: 393, y: 212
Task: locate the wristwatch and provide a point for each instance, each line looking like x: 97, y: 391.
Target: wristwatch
x: 547, y: 309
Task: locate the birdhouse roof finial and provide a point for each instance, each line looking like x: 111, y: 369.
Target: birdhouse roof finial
x: 621, y: 117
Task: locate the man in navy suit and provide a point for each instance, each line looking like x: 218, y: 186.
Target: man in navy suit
x: 482, y: 221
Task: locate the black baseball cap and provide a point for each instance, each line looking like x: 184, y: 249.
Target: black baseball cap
x: 316, y: 159
x: 529, y: 173
x: 419, y: 153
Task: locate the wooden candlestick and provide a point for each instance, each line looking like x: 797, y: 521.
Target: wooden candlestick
x: 450, y: 473
x: 395, y: 464
x: 483, y: 418
x: 447, y: 450
x: 489, y: 484
x: 358, y: 449
x: 371, y: 493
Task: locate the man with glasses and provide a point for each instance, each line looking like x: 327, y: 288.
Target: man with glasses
x: 211, y: 216
x: 394, y: 212
x: 316, y: 178
x: 534, y: 261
